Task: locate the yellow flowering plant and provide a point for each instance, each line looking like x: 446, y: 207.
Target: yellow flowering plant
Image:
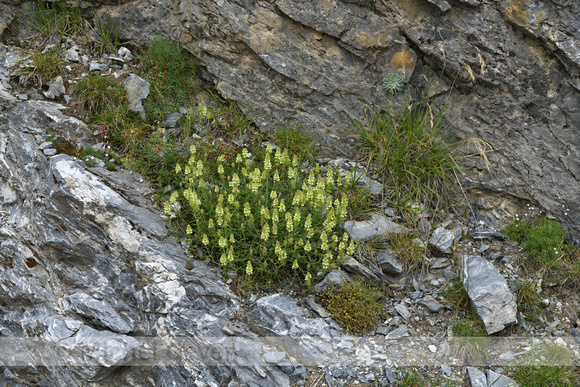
x: 264, y: 215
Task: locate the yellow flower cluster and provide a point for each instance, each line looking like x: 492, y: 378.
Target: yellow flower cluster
x: 246, y: 207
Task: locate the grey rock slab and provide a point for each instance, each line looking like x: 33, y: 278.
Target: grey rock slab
x: 103, y: 348
x: 96, y: 66
x: 316, y: 307
x: 487, y: 234
x: 351, y: 265
x: 476, y: 377
x: 432, y: 304
x: 402, y: 309
x: 398, y: 333
x: 274, y: 357
x: 443, y: 239
x: 55, y: 88
x: 72, y: 55
x: 489, y: 293
x: 497, y: 380
x: 441, y: 4
x: 379, y: 226
x: 388, y: 262
x: 137, y: 90
x: 99, y: 311
x: 440, y: 263
x: 49, y: 152
x: 336, y: 277
x: 370, y: 185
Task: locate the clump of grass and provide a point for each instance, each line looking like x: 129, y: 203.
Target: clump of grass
x: 45, y: 66
x: 546, y: 250
x: 109, y: 34
x: 296, y: 141
x: 171, y: 73
x: 457, y: 296
x: 546, y: 364
x: 406, y: 148
x: 98, y: 93
x: 528, y: 299
x: 262, y: 215
x: 407, y: 249
x: 355, y: 306
x: 226, y: 120
x: 470, y: 342
x: 48, y: 18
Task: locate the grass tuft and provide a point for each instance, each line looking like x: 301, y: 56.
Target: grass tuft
x: 45, y: 67
x: 171, y: 73
x: 406, y: 149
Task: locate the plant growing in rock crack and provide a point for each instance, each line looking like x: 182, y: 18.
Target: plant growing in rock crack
x: 45, y: 66
x: 170, y: 71
x: 54, y: 18
x: 355, y: 305
x: 392, y: 83
x: 470, y: 342
x: 262, y: 215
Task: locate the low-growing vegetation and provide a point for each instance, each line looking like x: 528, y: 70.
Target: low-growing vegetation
x: 44, y: 67
x: 545, y: 247
x: 260, y: 214
x: 355, y: 305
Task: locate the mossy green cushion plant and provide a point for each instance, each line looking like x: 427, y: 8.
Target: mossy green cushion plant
x: 355, y: 306
x: 262, y: 215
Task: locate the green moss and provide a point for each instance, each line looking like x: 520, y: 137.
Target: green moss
x: 355, y: 306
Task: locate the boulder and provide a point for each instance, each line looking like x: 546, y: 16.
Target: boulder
x: 489, y: 293
x: 378, y: 226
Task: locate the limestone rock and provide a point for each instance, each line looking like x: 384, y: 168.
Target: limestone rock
x: 353, y: 266
x: 476, y: 377
x: 389, y: 262
x: 444, y: 239
x: 489, y: 293
x: 137, y: 90
x: 379, y: 226
x: 494, y: 379
x: 55, y: 88
x: 336, y: 277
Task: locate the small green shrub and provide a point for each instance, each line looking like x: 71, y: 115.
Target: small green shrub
x: 171, y: 73
x: 528, y: 299
x: 546, y: 249
x: 355, y: 306
x: 98, y: 93
x: 45, y: 67
x: 261, y: 215
x: 517, y: 230
x: 544, y: 243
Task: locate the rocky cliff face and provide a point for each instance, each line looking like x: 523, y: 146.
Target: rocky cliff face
x: 506, y: 72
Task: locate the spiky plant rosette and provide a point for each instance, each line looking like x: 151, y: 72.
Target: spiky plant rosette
x: 392, y: 83
x: 263, y: 216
